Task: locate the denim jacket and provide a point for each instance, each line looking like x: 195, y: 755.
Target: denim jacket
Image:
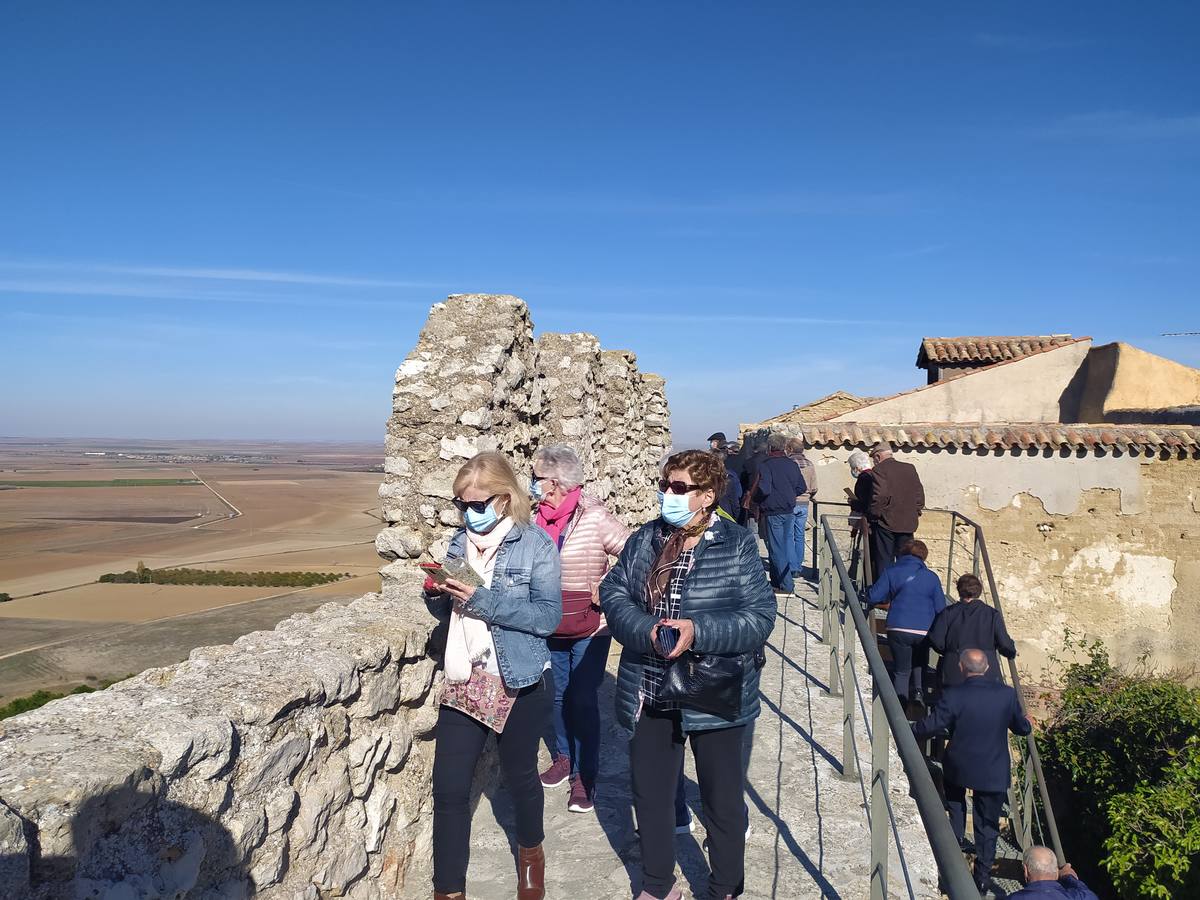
x: 524, y: 604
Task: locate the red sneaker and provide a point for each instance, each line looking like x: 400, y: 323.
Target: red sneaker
x: 581, y: 797
x: 559, y: 771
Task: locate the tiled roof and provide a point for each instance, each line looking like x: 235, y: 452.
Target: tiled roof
x: 1179, y: 440
x: 951, y: 351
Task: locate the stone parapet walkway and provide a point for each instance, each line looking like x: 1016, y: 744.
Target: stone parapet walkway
x: 810, y: 834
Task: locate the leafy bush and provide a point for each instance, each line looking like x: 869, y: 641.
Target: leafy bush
x: 1123, y: 752
x: 36, y: 699
x: 4, y: 598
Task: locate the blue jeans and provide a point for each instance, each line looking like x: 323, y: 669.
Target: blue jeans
x: 780, y: 529
x: 578, y: 665
x: 798, y: 538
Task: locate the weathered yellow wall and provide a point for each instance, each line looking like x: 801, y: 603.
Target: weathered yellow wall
x: 1107, y: 546
x: 1120, y: 378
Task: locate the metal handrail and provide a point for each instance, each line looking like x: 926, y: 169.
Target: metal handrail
x: 888, y: 718
x: 981, y: 555
x: 1024, y: 813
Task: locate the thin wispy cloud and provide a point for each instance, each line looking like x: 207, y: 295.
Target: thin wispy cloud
x: 1027, y: 43
x: 711, y: 318
x: 1123, y: 125
x: 218, y: 274
x: 537, y: 200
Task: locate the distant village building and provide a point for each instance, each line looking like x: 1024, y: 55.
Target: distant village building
x: 1082, y: 464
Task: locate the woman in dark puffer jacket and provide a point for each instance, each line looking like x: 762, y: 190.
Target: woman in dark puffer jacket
x: 701, y: 574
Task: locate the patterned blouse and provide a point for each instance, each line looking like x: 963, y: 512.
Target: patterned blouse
x: 654, y: 666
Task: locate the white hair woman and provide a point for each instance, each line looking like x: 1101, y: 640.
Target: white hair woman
x: 587, y: 535
x: 502, y: 611
x: 860, y: 500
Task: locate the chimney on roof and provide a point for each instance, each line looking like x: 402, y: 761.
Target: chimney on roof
x: 944, y: 358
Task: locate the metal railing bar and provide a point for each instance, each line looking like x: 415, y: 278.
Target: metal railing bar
x: 957, y: 881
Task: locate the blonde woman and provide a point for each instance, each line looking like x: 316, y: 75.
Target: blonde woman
x: 501, y: 609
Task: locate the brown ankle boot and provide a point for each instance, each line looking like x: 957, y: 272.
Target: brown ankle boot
x: 459, y: 896
x: 531, y: 873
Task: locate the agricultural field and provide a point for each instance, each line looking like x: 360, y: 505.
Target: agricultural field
x: 68, y: 516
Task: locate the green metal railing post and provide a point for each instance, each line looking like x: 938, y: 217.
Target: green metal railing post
x: 849, y: 767
x: 835, y: 633
x: 879, y: 791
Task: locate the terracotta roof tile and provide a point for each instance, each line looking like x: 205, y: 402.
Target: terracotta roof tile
x: 985, y: 350
x: 1183, y: 440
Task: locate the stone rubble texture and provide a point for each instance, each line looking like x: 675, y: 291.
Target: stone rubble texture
x: 479, y: 380
x: 294, y: 763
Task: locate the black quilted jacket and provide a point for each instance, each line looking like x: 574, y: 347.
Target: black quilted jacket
x: 727, y: 596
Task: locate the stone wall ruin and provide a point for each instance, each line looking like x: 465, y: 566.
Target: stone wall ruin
x: 479, y: 380
x: 296, y: 762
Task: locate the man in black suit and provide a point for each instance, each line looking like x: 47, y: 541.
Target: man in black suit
x: 978, y: 714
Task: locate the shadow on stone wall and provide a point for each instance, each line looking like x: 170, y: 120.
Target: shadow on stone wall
x: 129, y: 842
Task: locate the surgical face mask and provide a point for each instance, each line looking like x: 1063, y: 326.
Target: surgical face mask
x: 481, y: 522
x: 675, y: 509
x: 536, y: 490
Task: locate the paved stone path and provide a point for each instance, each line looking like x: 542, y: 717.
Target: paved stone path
x: 810, y: 835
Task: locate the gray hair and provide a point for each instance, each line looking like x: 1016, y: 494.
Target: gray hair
x: 560, y: 462
x: 974, y: 662
x: 1041, y: 861
x: 859, y: 461
x: 777, y: 440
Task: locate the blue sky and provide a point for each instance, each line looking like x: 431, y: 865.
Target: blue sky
x: 229, y: 219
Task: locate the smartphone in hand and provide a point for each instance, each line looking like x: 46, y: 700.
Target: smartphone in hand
x: 668, y: 637
x: 435, y: 571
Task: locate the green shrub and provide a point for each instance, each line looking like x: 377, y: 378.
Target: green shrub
x: 4, y: 598
x: 1123, y: 754
x: 36, y: 699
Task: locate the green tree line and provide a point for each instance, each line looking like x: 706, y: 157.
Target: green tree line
x: 223, y: 577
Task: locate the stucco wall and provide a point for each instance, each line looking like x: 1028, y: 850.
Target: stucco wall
x: 1107, y: 546
x: 1032, y: 389
x: 1119, y: 379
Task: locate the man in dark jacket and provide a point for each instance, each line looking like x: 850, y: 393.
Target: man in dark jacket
x: 978, y: 715
x: 1044, y: 879
x: 780, y: 485
x: 969, y: 623
x: 896, y: 504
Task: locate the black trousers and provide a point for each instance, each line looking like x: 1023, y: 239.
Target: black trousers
x: 459, y: 740
x: 910, y: 656
x: 985, y: 811
x: 655, y: 755
x: 883, y: 548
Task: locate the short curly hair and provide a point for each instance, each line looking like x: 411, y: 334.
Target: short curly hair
x: 705, y: 469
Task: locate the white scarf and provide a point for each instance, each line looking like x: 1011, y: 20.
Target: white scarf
x: 470, y: 639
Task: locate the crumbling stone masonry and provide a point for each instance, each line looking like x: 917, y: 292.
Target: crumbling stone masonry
x: 478, y: 380
x: 296, y: 763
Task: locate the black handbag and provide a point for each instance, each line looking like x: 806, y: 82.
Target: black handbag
x: 705, y: 683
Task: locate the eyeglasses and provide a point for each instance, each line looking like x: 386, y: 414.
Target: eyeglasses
x: 474, y: 505
x: 537, y: 477
x: 676, y: 487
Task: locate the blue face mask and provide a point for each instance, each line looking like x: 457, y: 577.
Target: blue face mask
x: 536, y: 490
x: 675, y: 509
x: 481, y: 522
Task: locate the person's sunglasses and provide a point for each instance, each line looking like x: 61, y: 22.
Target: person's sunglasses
x: 474, y: 505
x: 676, y: 487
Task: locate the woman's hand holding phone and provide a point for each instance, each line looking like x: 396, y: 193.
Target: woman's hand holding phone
x: 685, y: 630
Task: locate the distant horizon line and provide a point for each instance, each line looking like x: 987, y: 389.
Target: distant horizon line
x: 194, y: 440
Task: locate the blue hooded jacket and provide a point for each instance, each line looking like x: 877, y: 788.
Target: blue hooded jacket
x: 915, y: 594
